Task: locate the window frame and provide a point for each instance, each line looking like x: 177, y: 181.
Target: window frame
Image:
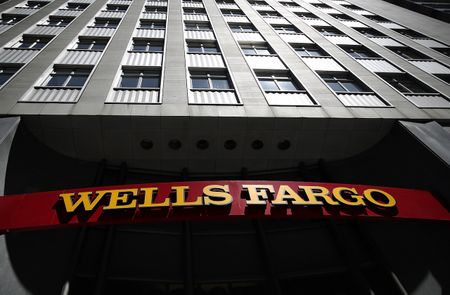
x: 148, y: 44
x: 276, y: 78
x: 71, y: 73
x: 58, y: 22
x: 152, y: 25
x: 106, y: 23
x: 340, y: 78
x: 9, y: 70
x: 140, y: 75
x: 33, y: 41
x: 243, y: 28
x: 256, y: 48
x: 198, y: 26
x: 400, y: 79
x: 209, y: 77
x: 201, y: 46
x: 92, y: 43
x: 307, y: 49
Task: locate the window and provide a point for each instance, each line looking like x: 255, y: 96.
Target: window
x: 343, y: 17
x: 152, y: 25
x: 147, y: 46
x: 110, y: 7
x: 198, y: 26
x: 289, y: 4
x: 58, y: 22
x: 140, y: 79
x: 407, y: 84
x: 370, y: 32
x: 445, y: 78
x: 94, y: 45
x: 155, y: 9
x: 285, y: 29
x: 232, y: 13
x: 344, y: 83
x: 359, y: 52
x: 378, y: 19
x: 256, y: 50
x: 6, y: 74
x: 278, y: 82
x: 310, y: 51
x: 194, y: 47
x: 444, y: 51
x: 306, y: 15
x: 70, y: 78
x: 36, y: 5
x: 194, y: 11
x: 10, y: 19
x: 239, y: 28
x: 31, y: 43
x: 269, y: 13
x: 76, y: 6
x: 106, y: 23
x: 408, y: 53
x: 330, y: 32
x: 212, y: 80
x: 410, y: 33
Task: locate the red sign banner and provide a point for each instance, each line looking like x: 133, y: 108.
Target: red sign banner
x: 203, y: 200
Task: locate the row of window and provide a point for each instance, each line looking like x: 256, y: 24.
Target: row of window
x: 270, y: 82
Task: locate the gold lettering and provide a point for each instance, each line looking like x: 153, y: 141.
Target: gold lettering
x: 286, y: 193
x: 148, y: 198
x: 368, y: 195
x: 258, y: 193
x: 358, y: 200
x: 213, y: 197
x: 119, y: 198
x: 180, y: 192
x: 83, y: 201
x: 314, y: 192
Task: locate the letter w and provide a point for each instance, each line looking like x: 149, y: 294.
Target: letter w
x: 84, y: 199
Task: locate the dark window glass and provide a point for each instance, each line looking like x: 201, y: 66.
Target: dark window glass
x: 202, y: 47
x: 220, y: 83
x: 200, y: 83
x: 407, y: 84
x: 335, y: 86
x: 269, y: 85
x: 98, y: 46
x: 286, y: 85
x: 150, y: 82
x: 344, y: 83
x: 210, y: 81
x: 129, y: 81
x: 152, y: 25
x: 77, y: 80
x: 194, y: 49
x: 305, y: 51
x: 58, y: 80
x: 352, y: 86
x: 277, y: 83
x: 83, y: 45
x: 6, y: 74
x: 210, y: 49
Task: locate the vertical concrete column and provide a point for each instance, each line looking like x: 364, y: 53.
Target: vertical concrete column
x: 244, y: 81
x: 174, y: 92
x: 92, y: 100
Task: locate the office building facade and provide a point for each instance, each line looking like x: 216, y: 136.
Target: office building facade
x: 109, y: 92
